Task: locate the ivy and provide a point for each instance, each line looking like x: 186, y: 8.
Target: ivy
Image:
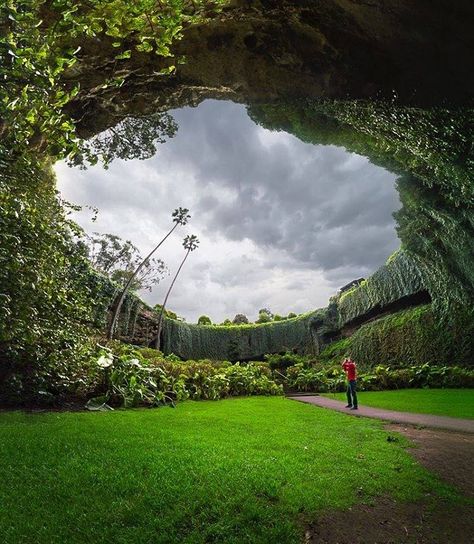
x: 44, y: 304
x: 239, y: 342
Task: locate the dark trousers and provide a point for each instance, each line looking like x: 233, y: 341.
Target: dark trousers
x: 351, y: 393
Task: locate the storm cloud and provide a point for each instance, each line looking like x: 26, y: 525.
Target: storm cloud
x: 282, y: 223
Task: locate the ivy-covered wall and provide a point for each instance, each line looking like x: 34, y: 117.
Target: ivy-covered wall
x: 412, y: 337
x: 242, y: 342
x: 399, y: 277
x: 137, y: 322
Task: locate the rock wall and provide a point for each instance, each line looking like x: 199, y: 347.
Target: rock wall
x: 270, y: 50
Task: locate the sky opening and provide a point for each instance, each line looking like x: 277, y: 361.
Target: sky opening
x: 282, y: 224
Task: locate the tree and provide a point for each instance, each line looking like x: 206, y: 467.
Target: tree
x: 264, y: 316
x: 291, y: 315
x: 168, y: 313
x: 226, y: 323
x: 118, y: 259
x: 180, y: 216
x: 240, y: 319
x: 132, y: 138
x: 278, y: 317
x: 190, y: 243
x: 204, y: 320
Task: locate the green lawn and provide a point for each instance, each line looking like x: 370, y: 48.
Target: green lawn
x: 234, y: 471
x: 442, y: 402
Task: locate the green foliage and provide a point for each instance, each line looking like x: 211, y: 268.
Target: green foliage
x: 332, y: 379
x: 118, y: 259
x: 264, y: 316
x: 306, y: 378
x: 45, y: 304
x: 39, y: 45
x: 439, y: 235
x: 240, y: 319
x: 335, y: 351
x: 168, y: 313
x: 142, y: 378
x: 132, y: 138
x: 282, y: 362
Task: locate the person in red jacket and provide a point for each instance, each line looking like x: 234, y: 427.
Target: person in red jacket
x: 350, y: 369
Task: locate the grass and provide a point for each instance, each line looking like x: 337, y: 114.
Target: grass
x: 441, y: 402
x: 248, y: 470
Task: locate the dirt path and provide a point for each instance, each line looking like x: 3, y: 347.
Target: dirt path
x: 423, y: 420
x: 447, y: 453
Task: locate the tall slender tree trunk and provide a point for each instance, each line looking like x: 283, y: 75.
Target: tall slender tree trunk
x: 160, y: 319
x: 116, y: 311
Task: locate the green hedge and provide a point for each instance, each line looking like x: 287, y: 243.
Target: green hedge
x: 241, y: 342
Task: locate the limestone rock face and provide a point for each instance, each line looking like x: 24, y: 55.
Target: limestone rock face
x: 275, y: 50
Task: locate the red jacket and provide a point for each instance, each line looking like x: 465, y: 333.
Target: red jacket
x: 350, y: 369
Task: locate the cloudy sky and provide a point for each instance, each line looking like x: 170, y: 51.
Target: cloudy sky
x: 282, y: 224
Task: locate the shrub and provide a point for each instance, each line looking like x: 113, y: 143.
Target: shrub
x: 282, y: 362
x: 135, y: 377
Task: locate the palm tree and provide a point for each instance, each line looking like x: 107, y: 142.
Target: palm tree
x: 180, y: 216
x: 190, y: 243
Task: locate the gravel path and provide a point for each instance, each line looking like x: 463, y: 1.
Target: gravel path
x: 423, y: 420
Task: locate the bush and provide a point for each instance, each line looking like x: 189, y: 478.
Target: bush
x: 134, y: 377
x: 282, y: 362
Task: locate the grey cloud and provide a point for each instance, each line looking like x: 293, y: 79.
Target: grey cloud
x: 305, y: 209
x: 325, y: 207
